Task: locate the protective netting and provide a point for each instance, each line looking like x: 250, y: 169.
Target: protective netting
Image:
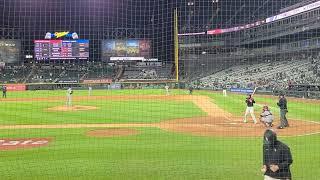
x: 122, y: 89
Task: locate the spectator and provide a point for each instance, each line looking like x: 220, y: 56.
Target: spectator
x: 276, y: 158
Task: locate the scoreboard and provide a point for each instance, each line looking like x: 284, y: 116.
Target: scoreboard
x: 125, y: 50
x: 9, y: 51
x: 61, y: 49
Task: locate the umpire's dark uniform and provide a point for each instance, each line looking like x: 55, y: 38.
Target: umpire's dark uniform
x: 4, y: 91
x: 276, y: 153
x: 190, y: 90
x: 283, y: 111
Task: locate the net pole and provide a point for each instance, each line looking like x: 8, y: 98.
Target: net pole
x: 176, y: 44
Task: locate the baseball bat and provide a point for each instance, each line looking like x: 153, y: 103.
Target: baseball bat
x: 254, y: 91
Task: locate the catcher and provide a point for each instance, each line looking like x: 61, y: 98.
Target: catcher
x: 266, y: 117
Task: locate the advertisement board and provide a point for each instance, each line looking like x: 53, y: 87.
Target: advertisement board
x: 16, y: 87
x: 68, y: 81
x: 240, y: 90
x: 125, y: 50
x: 97, y: 81
x: 10, y: 51
x: 115, y: 86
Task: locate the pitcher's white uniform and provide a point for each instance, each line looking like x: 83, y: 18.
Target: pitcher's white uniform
x: 90, y: 90
x: 167, y: 89
x: 69, y: 97
x: 224, y: 92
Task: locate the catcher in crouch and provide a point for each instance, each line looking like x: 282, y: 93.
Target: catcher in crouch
x: 266, y: 117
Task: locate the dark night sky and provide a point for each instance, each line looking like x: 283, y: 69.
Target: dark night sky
x: 92, y: 18
x: 72, y: 14
x: 99, y: 14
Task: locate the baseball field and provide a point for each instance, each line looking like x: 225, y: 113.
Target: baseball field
x: 144, y: 134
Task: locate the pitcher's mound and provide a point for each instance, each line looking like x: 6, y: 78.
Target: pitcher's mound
x: 72, y: 108
x: 112, y: 132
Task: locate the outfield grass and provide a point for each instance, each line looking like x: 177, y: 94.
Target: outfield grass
x: 110, y: 111
x: 152, y: 154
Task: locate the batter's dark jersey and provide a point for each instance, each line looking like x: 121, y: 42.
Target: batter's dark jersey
x: 250, y: 104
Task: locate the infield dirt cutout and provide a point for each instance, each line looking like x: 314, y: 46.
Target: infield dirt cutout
x: 72, y: 108
x: 217, y: 122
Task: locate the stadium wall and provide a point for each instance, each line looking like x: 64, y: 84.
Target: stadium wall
x: 133, y: 84
x: 149, y: 84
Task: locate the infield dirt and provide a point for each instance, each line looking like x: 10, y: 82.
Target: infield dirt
x: 112, y: 132
x: 72, y: 108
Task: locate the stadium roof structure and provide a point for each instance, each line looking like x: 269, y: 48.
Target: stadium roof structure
x: 140, y: 13
x: 210, y: 14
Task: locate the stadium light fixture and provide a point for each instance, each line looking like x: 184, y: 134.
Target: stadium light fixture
x: 190, y: 3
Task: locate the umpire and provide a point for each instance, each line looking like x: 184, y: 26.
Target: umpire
x: 4, y: 91
x: 276, y: 158
x: 283, y: 111
x: 190, y: 90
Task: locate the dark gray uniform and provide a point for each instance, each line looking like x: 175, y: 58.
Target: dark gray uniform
x: 276, y: 153
x: 190, y: 90
x: 4, y: 91
x: 283, y: 111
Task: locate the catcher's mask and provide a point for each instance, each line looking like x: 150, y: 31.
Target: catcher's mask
x: 265, y: 108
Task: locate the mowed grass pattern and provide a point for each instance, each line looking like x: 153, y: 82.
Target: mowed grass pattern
x: 152, y: 154
x: 109, y: 111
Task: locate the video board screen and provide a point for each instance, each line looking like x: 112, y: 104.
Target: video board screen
x: 10, y: 51
x: 131, y: 49
x: 61, y: 49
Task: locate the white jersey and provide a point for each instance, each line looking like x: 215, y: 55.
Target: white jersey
x: 90, y: 90
x: 69, y: 97
x: 69, y: 91
x: 167, y: 89
x: 224, y: 92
